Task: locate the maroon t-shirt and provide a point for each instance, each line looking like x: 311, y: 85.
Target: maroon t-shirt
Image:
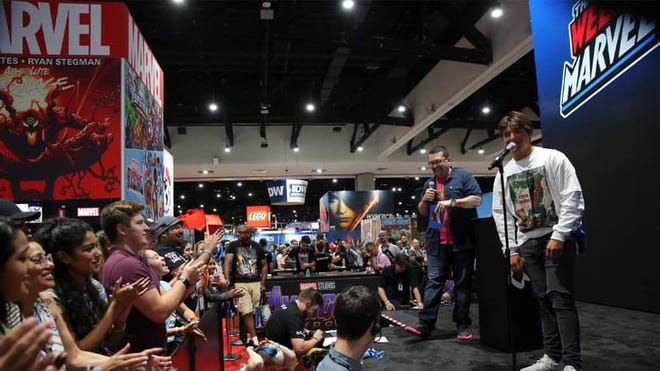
x: 141, y: 332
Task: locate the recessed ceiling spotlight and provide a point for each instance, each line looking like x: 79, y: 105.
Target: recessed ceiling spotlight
x: 310, y: 107
x: 393, y: 189
x: 213, y: 107
x: 205, y: 172
x: 360, y: 149
x: 422, y: 151
x: 400, y: 203
x: 422, y: 168
x: 239, y: 184
x: 201, y: 206
x: 347, y: 4
x: 178, y: 1
x: 250, y: 194
x: 227, y: 149
x: 319, y: 170
x: 296, y: 149
x: 496, y: 11
x: 416, y: 178
x: 183, y: 197
x: 401, y: 108
x: 412, y: 197
x: 485, y: 110
x: 334, y: 180
x: 178, y: 206
x: 481, y: 151
x: 399, y: 189
x: 200, y: 185
x: 218, y: 195
x: 215, y: 210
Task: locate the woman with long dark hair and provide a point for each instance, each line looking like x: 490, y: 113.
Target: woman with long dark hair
x: 95, y: 321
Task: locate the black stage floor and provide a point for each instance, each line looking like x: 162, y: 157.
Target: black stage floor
x: 612, y: 339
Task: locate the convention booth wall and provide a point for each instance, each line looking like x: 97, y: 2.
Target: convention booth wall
x: 598, y: 77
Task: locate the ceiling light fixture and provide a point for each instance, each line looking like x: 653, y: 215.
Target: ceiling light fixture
x: 296, y: 149
x: 310, y: 107
x: 481, y: 151
x: 227, y: 149
x: 496, y: 10
x: 401, y: 108
x: 485, y: 110
x: 347, y: 4
x: 422, y: 151
x: 213, y: 107
x: 360, y: 149
x: 178, y: 1
x: 200, y: 185
x: 239, y: 184
x: 334, y: 180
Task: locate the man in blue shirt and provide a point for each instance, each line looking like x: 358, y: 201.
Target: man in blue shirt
x: 450, y: 199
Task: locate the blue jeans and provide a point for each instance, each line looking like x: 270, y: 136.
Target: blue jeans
x: 553, y: 285
x: 440, y: 260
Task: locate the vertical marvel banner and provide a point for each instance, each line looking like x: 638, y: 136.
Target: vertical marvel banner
x: 59, y: 101
x: 144, y: 167
x: 598, y: 77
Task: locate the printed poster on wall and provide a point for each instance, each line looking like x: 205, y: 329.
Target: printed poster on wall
x: 168, y: 183
x: 144, y: 180
x: 143, y: 125
x: 59, y: 128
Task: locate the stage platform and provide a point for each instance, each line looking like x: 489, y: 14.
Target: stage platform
x: 613, y: 339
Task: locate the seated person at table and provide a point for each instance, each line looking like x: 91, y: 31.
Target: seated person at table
x: 357, y: 312
x: 287, y: 325
x: 375, y: 258
x: 303, y: 255
x: 395, y: 284
x: 322, y: 257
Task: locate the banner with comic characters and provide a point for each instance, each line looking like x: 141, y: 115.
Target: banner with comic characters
x: 145, y: 181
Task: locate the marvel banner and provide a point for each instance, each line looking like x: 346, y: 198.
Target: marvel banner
x: 59, y: 128
x: 598, y: 77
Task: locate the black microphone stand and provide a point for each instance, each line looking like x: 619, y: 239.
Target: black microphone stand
x: 507, y: 264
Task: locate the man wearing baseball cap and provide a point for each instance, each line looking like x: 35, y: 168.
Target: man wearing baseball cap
x: 168, y: 232
x: 10, y: 210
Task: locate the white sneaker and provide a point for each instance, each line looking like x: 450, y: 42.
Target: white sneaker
x: 544, y: 364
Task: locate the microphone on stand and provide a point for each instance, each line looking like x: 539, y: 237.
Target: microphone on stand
x: 498, y: 160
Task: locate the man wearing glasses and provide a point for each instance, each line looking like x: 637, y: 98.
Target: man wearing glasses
x: 246, y: 268
x: 450, y: 199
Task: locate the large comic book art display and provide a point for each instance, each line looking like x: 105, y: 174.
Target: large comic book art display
x: 59, y: 128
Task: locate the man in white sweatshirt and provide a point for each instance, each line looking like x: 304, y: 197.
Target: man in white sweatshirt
x: 544, y: 202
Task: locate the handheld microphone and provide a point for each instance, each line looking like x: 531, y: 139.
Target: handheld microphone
x: 498, y: 160
x: 432, y: 185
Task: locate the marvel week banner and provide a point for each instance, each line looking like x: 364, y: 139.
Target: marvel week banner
x: 598, y: 77
x: 59, y: 128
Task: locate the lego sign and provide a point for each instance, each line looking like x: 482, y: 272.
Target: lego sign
x: 258, y: 216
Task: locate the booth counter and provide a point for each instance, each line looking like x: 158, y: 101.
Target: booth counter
x: 285, y: 287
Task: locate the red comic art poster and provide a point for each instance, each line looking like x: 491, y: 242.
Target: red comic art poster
x: 59, y: 128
